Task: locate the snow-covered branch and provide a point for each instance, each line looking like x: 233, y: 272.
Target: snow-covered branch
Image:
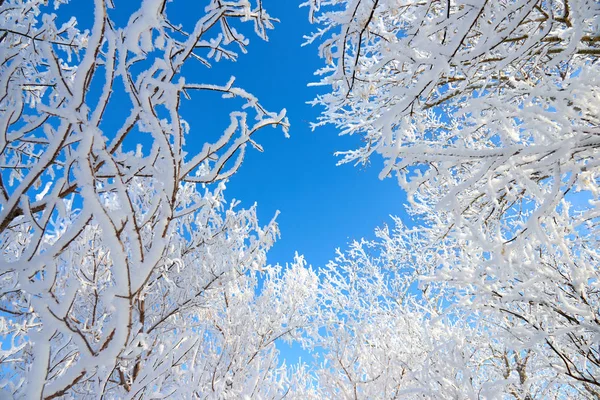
x: 487, y: 114
x: 124, y: 274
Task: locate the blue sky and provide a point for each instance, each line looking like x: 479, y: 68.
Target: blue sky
x: 322, y: 206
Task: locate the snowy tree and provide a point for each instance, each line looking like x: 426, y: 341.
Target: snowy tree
x: 487, y: 114
x: 124, y: 273
x: 382, y: 338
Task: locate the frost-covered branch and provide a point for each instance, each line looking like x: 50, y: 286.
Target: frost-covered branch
x: 124, y: 274
x: 486, y: 112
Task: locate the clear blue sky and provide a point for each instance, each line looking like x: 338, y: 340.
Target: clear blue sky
x: 322, y: 206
